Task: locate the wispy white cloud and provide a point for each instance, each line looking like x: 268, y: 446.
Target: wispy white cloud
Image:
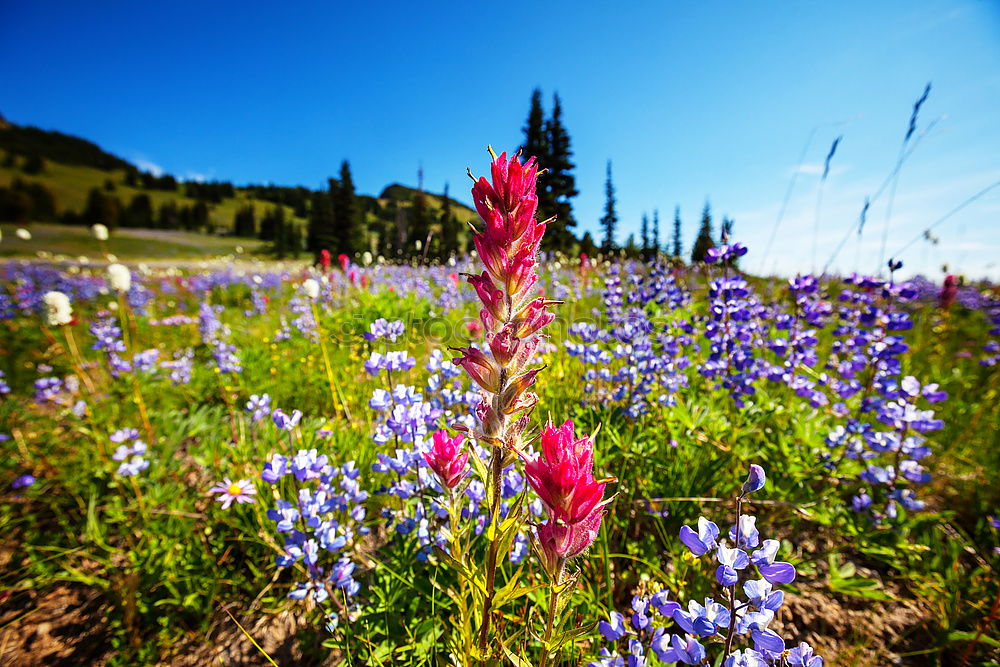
x: 812, y: 169
x: 968, y: 241
x: 148, y: 165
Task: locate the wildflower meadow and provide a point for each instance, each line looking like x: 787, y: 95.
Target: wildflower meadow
x: 511, y: 457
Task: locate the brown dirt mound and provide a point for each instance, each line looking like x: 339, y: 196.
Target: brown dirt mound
x: 62, y: 626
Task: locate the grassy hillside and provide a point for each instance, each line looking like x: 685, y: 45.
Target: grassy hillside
x: 70, y: 185
x: 72, y: 242
x: 70, y: 168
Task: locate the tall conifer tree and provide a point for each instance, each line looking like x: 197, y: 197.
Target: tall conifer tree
x: 559, y: 180
x: 321, y: 233
x: 656, y: 232
x: 677, y: 233
x: 449, y: 227
x: 645, y: 236
x: 610, y: 219
x: 704, y: 240
x: 349, y: 228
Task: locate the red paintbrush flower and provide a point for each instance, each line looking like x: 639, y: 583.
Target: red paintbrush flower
x: 446, y: 458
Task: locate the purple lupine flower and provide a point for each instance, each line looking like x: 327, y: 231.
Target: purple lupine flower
x: 259, y: 406
x: 284, y: 421
x: 777, y: 572
x: 756, y: 479
x: 702, y: 541
x: 22, y: 481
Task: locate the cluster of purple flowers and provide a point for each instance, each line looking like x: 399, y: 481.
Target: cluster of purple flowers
x: 743, y: 619
x: 992, y: 347
x: 304, y: 321
x: 131, y: 452
x: 179, y: 368
x: 882, y: 436
x: 321, y: 512
x: 215, y: 334
x: 108, y: 339
x: 407, y: 417
x: 794, y: 346
x: 259, y: 407
x: 638, y: 361
x: 733, y: 331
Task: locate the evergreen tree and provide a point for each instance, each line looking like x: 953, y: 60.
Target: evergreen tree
x: 102, y: 208
x: 167, y: 218
x: 321, y: 234
x: 420, y: 226
x: 677, y: 233
x: 610, y: 219
x: 199, y: 216
x: 536, y: 142
x: 351, y: 234
x: 269, y: 224
x: 33, y: 164
x: 244, y: 223
x: 656, y: 232
x: 15, y: 206
x: 293, y: 237
x: 704, y: 240
x: 587, y: 245
x: 449, y: 227
x: 559, y: 181
x: 645, y: 236
x: 139, y: 212
x: 185, y: 218
x: 536, y: 145
x: 631, y: 249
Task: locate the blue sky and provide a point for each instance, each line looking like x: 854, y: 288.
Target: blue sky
x: 690, y: 100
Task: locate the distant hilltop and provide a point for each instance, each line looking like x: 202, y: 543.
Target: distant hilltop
x: 46, y: 175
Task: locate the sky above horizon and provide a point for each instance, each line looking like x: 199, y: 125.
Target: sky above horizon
x: 690, y: 101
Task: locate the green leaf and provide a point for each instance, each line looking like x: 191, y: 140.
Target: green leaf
x: 968, y: 636
x: 571, y: 635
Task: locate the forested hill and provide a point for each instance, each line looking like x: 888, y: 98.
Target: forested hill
x: 49, y: 176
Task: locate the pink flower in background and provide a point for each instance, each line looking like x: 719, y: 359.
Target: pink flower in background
x: 948, y: 292
x: 446, y: 458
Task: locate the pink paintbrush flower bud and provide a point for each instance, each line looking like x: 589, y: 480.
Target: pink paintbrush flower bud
x: 533, y: 317
x: 480, y: 368
x: 562, y: 475
x: 447, y: 459
x: 564, y: 541
x: 504, y: 345
x: 491, y: 295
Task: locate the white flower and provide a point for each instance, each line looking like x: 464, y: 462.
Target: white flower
x: 100, y: 232
x: 120, y: 277
x: 311, y: 288
x: 23, y: 234
x: 366, y: 258
x: 57, y: 309
x: 111, y: 258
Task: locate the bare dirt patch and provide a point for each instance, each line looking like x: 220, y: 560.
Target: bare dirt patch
x: 61, y: 626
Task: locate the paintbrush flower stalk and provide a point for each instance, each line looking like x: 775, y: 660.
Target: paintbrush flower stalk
x: 512, y: 316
